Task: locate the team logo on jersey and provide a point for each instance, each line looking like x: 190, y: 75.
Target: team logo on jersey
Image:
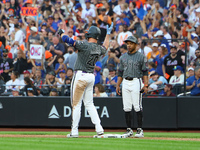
x: 54, y: 113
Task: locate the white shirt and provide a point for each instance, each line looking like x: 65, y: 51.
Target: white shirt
x: 167, y: 36
x: 86, y: 13
x: 123, y: 36
x: 146, y: 50
x: 10, y: 84
x: 62, y: 81
x: 191, y: 55
x: 174, y: 80
x: 102, y: 94
x: 195, y: 45
x: 19, y: 36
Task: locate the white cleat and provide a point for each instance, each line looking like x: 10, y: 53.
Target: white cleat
x: 129, y: 132
x: 72, y: 136
x: 139, y: 133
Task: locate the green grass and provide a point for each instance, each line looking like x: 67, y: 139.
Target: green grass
x: 8, y: 143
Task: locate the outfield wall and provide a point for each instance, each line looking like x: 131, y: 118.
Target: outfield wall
x: 159, y: 113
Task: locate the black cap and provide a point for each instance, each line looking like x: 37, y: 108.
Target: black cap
x: 124, y: 46
x: 5, y: 51
x: 54, y: 90
x: 16, y: 26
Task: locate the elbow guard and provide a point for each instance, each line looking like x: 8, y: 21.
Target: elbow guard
x: 68, y: 40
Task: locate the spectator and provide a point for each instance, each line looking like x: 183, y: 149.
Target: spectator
x: 39, y: 92
x: 6, y: 65
x: 111, y: 80
x: 20, y: 63
x: 88, y: 11
x: 170, y: 61
x: 158, y: 80
x: 38, y: 81
x: 54, y: 92
x: 159, y: 60
x: 99, y: 91
x: 13, y: 82
x: 152, y: 55
x: 4, y: 33
x: 71, y: 57
x: 97, y: 72
x: 70, y: 73
x: 114, y: 45
x: 190, y: 52
x: 60, y: 65
x: 15, y: 92
x: 152, y: 67
x: 51, y: 25
x: 178, y: 77
x: 48, y: 64
x: 193, y: 82
x: 50, y: 80
x: 30, y: 92
x: 168, y: 90
x: 27, y: 74
x: 190, y: 72
x: 123, y: 35
x: 197, y: 54
x: 29, y: 86
x: 2, y: 84
x: 61, y: 81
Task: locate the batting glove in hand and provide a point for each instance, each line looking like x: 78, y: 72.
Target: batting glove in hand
x: 61, y: 31
x: 109, y: 29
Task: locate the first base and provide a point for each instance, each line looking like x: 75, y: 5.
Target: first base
x: 110, y: 136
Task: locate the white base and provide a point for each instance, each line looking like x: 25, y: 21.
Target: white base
x: 111, y: 136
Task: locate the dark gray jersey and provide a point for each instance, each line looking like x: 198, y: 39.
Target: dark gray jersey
x: 133, y: 65
x: 88, y: 54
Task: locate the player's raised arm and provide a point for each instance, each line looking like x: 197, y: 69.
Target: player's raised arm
x: 65, y: 38
x: 107, y: 38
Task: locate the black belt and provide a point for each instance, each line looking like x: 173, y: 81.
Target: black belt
x: 129, y: 78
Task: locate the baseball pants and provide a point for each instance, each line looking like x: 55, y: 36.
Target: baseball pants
x: 82, y: 90
x: 131, y: 94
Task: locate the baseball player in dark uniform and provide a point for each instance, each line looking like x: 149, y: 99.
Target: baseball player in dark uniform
x: 83, y: 79
x: 132, y: 69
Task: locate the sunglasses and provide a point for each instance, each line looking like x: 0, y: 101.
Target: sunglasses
x: 70, y: 32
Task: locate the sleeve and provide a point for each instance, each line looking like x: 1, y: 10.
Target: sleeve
x: 54, y: 26
x: 121, y: 69
x: 103, y: 50
x: 145, y: 66
x: 81, y: 46
x: 98, y: 64
x: 56, y: 66
x: 188, y: 82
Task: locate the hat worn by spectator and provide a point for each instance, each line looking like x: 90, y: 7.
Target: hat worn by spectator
x: 87, y: 1
x: 173, y: 46
x: 11, y: 15
x: 52, y: 73
x: 22, y: 47
x: 194, y: 35
x: 190, y: 69
x: 131, y: 39
x: 155, y: 29
x: 111, y: 69
x: 169, y: 86
x: 48, y: 55
x: 154, y: 73
x: 7, y: 1
x: 124, y: 46
x: 155, y: 44
x: 44, y: 24
x: 153, y: 86
x: 62, y: 71
x: 50, y: 17
x: 78, y: 5
x: 185, y: 20
x: 29, y: 1
x: 5, y: 51
x: 145, y: 35
x: 183, y: 44
x: 159, y: 33
x: 178, y: 68
x: 163, y: 45
x: 26, y: 72
x: 54, y: 90
x: 34, y: 29
x: 15, y: 90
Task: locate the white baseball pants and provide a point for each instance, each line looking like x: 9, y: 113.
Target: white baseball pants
x: 82, y: 90
x: 131, y: 94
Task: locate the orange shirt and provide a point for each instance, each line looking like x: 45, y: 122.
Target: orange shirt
x: 101, y: 18
x: 149, y: 54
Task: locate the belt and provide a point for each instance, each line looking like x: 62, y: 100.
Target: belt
x: 129, y: 78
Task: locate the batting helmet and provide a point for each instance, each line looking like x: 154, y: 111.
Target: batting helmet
x: 93, y: 32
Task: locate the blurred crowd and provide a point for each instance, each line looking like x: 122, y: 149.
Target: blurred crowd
x: 167, y: 30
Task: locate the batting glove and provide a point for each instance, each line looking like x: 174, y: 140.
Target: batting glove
x: 61, y: 31
x: 109, y: 29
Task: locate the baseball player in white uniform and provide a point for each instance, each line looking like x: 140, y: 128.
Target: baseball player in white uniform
x: 132, y: 68
x: 83, y: 79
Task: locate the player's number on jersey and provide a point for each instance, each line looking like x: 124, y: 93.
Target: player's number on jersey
x: 92, y: 60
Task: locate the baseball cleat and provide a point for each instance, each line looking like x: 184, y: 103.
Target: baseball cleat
x: 72, y: 136
x: 139, y: 133
x: 100, y: 133
x: 129, y: 132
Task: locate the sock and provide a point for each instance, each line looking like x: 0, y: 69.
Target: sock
x: 139, y: 118
x: 128, y: 118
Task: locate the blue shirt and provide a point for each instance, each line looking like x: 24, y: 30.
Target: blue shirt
x: 195, y: 90
x: 97, y: 73
x: 118, y: 23
x: 159, y: 62
x: 112, y: 87
x: 166, y: 42
x: 59, y: 46
x: 161, y: 78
